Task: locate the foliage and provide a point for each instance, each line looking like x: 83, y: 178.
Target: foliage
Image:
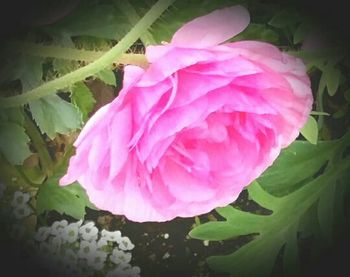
x: 280, y: 229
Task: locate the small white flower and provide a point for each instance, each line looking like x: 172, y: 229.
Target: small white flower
x: 22, y: 211
x: 119, y: 256
x: 20, y: 198
x: 102, y: 242
x: 133, y: 272
x: 87, y: 248
x: 70, y: 233
x: 42, y: 233
x: 117, y: 272
x: 88, y: 231
x: 97, y: 259
x: 111, y: 236
x: 125, y: 244
x: 45, y: 249
x: 55, y: 245
x: 70, y: 258
x: 126, y: 271
x: 58, y: 226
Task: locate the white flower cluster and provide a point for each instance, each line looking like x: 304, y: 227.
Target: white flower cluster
x: 81, y: 249
x: 19, y: 204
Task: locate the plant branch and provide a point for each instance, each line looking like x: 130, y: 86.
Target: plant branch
x: 133, y: 17
x: 67, y: 53
x: 39, y: 144
x: 94, y: 67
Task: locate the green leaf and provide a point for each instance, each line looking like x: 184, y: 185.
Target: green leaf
x: 238, y: 223
x: 102, y: 21
x: 284, y: 19
x: 294, y: 165
x: 301, y: 32
x: 333, y: 76
x: 14, y: 142
x: 68, y: 200
x: 107, y: 76
x: 258, y: 32
x: 83, y: 99
x: 272, y: 232
x: 310, y: 130
x: 326, y: 212
x: 55, y: 115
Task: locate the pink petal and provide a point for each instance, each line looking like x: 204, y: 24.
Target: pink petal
x: 212, y: 29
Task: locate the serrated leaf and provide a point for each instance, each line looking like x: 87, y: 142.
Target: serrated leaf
x: 102, y: 21
x: 14, y: 142
x: 107, y: 76
x: 83, y: 99
x: 238, y: 223
x: 64, y: 200
x: 31, y: 73
x: 276, y: 230
x: 284, y: 19
x: 240, y: 263
x: 295, y: 164
x: 258, y: 32
x: 54, y: 115
x: 301, y: 32
x: 325, y: 212
x: 332, y: 76
x: 291, y: 262
x: 310, y: 130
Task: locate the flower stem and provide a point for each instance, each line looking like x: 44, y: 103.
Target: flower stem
x: 40, y: 145
x: 67, y: 53
x: 94, y: 67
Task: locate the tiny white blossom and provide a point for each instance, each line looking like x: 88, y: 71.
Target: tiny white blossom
x: 133, y: 272
x: 22, y: 211
x: 42, y: 233
x: 87, y: 248
x: 88, y: 231
x: 70, y: 233
x: 102, y: 242
x: 70, y: 258
x: 126, y: 271
x: 55, y: 244
x: 19, y: 198
x: 97, y: 259
x: 126, y: 244
x: 111, y: 236
x: 117, y: 272
x: 58, y: 226
x: 119, y: 256
x: 45, y: 249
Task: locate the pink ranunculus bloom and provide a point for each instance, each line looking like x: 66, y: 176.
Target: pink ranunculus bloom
x: 188, y: 134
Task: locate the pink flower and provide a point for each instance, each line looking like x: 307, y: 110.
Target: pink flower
x: 188, y: 134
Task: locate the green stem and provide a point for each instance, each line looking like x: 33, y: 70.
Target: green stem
x: 133, y: 17
x: 67, y: 53
x: 94, y: 67
x: 319, y: 100
x: 40, y: 145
